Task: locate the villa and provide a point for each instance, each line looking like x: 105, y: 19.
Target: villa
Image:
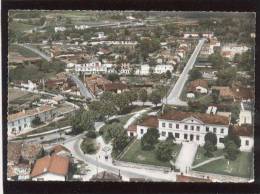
x: 186, y: 126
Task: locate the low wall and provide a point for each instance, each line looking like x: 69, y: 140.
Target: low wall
x: 141, y: 166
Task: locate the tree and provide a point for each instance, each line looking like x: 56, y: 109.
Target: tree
x: 36, y: 121
x: 143, y: 95
x: 168, y: 74
x: 120, y: 142
x: 208, y: 146
x: 164, y: 151
x: 231, y: 150
x: 170, y: 138
x: 88, y: 147
x: 215, y: 96
x: 107, y: 97
x: 122, y: 101
x: 211, y: 137
x: 226, y: 76
x: 150, y: 138
x: 194, y: 74
x: 155, y: 97
x: 111, y: 131
x: 83, y: 121
x: 217, y: 60
x: 132, y: 96
x: 113, y: 77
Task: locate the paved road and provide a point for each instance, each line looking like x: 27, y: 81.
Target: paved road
x: 74, y: 147
x: 38, y: 52
x: 173, y: 97
x: 83, y: 89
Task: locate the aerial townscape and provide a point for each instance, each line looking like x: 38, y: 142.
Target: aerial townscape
x: 135, y: 96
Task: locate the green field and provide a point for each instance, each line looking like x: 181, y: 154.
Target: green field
x: 200, y: 157
x: 19, y: 26
x: 137, y: 155
x: 23, y: 51
x: 241, y: 167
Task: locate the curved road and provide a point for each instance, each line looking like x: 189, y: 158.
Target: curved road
x: 173, y: 97
x: 38, y: 52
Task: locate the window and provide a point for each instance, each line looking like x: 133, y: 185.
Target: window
x: 177, y: 126
x: 20, y: 128
x: 24, y: 120
x: 198, y: 128
x: 222, y: 130
x: 25, y: 125
x: 221, y: 140
x: 207, y: 129
x: 18, y: 121
x: 197, y: 137
x: 192, y: 128
x: 163, y: 124
x: 177, y: 135
x: 185, y: 136
x: 247, y: 143
x: 170, y: 125
x: 12, y: 123
x: 185, y: 126
x: 163, y: 133
x: 214, y: 130
x: 142, y: 131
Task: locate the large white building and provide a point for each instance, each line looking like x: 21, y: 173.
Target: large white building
x: 21, y: 121
x: 143, y: 70
x: 159, y: 69
x: 187, y: 126
x: 245, y: 115
x: 95, y: 67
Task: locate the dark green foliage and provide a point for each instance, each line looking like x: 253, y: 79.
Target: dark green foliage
x: 164, y: 151
x: 194, y: 74
x: 150, y: 139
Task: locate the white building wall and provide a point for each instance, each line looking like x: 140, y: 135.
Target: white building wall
x: 247, y: 144
x: 49, y: 177
x: 159, y: 69
x: 141, y: 130
x: 245, y: 117
x: 201, y: 90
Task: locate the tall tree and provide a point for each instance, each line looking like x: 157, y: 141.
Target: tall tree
x: 143, y: 95
x: 150, y: 138
x: 155, y: 97
x: 164, y: 151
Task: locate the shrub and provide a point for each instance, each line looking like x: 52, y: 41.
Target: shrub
x: 91, y: 134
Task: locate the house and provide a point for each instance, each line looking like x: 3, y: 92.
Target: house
x: 50, y: 168
x: 198, y: 86
x: 60, y: 150
x: 245, y: 115
x: 208, y: 35
x: 160, y: 69
x: 94, y: 67
x: 229, y: 50
x: 246, y: 134
x: 150, y: 121
x: 96, y: 83
x: 105, y: 176
x: 30, y: 152
x: 144, y: 70
x: 125, y: 69
x: 81, y: 27
x: 242, y: 93
x: 116, y: 87
x: 132, y: 131
x: 59, y: 29
x: 190, y: 35
x: 18, y: 122
x: 188, y: 126
x: 30, y: 86
x: 225, y: 92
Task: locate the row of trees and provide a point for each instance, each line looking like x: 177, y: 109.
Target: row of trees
x: 232, y: 143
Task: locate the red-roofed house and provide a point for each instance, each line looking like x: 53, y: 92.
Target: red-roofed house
x: 50, y: 168
x: 245, y: 132
x: 148, y: 122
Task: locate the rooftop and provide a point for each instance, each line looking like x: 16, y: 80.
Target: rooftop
x: 243, y: 130
x: 205, y: 118
x: 199, y: 82
x: 30, y: 112
x: 51, y: 164
x: 106, y: 176
x: 149, y: 121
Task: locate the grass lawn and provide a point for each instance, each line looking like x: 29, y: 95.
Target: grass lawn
x: 200, y: 157
x: 241, y: 167
x: 137, y: 155
x: 54, y: 125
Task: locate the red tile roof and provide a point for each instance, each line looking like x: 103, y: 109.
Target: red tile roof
x: 243, y: 130
x: 53, y: 164
x: 132, y: 128
x: 115, y: 86
x: 199, y: 82
x: 149, y: 121
x: 205, y: 118
x: 182, y: 178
